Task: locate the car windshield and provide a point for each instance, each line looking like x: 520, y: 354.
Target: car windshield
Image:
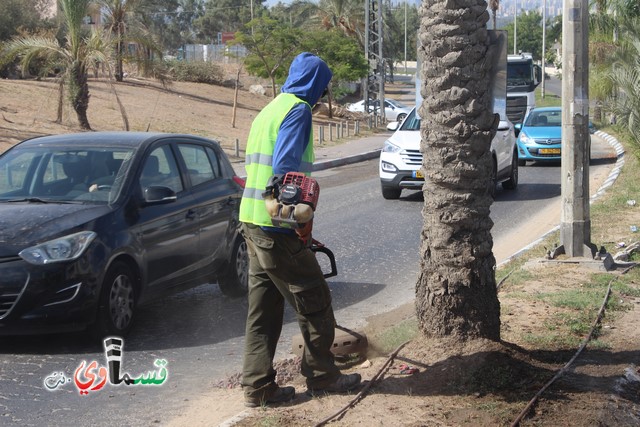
x: 544, y: 119
x: 519, y: 74
x: 411, y: 122
x: 63, y: 174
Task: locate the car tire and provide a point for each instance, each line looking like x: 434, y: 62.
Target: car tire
x: 117, y: 304
x: 401, y: 117
x: 235, y: 281
x: 493, y: 181
x: 522, y: 162
x: 512, y: 182
x: 391, y: 193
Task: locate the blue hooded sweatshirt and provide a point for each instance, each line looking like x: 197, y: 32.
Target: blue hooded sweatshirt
x: 308, y: 77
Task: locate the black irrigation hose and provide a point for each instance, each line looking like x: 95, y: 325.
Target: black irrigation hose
x: 366, y: 388
x: 526, y: 410
x: 504, y: 279
x: 561, y: 372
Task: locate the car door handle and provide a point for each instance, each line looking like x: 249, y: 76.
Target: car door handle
x: 191, y: 214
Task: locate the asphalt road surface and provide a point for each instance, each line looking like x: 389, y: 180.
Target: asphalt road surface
x: 199, y: 333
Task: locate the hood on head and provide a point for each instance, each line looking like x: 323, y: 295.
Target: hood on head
x: 308, y: 77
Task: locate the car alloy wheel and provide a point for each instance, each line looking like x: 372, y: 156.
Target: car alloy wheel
x: 235, y: 282
x: 121, y: 302
x: 117, y: 302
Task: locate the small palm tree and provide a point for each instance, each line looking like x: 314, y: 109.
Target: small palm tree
x: 625, y: 77
x: 346, y: 16
x: 71, y: 60
x: 124, y: 26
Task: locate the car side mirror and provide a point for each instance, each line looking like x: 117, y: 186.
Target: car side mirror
x: 158, y: 195
x: 517, y: 128
x: 538, y: 72
x: 393, y: 126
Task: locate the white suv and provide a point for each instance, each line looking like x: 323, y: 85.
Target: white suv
x: 401, y: 160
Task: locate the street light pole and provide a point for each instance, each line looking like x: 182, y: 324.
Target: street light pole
x: 544, y: 39
x: 575, y: 221
x: 515, y: 30
x: 405, y: 37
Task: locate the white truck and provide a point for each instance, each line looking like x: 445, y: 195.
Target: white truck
x: 523, y: 76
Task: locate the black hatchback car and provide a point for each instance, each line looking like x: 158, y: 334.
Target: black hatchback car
x: 94, y: 224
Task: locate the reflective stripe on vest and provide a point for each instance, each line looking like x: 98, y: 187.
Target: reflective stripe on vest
x: 259, y: 158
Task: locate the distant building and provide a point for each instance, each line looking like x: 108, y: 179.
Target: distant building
x: 94, y: 17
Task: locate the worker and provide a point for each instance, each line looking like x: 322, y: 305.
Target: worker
x: 281, y: 264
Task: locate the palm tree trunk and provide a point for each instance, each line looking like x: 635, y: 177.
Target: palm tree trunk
x: 60, y: 101
x: 119, y: 67
x: 456, y: 291
x: 80, y: 101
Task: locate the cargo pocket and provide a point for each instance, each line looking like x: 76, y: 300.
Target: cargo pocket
x: 311, y: 298
x: 264, y: 251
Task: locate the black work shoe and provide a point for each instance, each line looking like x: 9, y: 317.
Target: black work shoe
x: 281, y: 395
x: 342, y: 384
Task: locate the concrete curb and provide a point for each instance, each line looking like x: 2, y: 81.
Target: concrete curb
x: 347, y: 160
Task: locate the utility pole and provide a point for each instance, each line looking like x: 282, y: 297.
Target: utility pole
x: 575, y: 221
x: 373, y: 54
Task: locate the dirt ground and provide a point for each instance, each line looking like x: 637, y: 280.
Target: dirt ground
x: 479, y: 383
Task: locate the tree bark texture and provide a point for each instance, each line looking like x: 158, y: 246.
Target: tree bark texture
x: 80, y: 93
x: 456, y: 292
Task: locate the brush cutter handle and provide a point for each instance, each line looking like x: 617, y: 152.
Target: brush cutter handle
x: 319, y: 247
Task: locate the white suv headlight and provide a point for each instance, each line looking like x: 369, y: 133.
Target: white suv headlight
x: 65, y: 248
x: 390, y: 148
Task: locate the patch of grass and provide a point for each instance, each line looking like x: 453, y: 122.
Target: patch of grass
x: 576, y: 299
x: 272, y: 420
x: 391, y: 338
x: 557, y: 341
x: 549, y: 99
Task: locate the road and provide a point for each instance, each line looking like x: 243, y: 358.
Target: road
x: 200, y: 332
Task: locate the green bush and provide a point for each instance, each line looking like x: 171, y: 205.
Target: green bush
x: 197, y: 72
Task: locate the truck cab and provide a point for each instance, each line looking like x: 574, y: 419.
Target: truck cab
x: 523, y: 76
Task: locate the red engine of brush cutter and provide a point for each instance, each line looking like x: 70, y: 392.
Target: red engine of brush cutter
x: 291, y: 199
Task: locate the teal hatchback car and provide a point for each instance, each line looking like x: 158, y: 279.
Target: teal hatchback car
x: 540, y: 137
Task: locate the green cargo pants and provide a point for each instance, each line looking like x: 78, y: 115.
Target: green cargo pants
x: 282, y: 268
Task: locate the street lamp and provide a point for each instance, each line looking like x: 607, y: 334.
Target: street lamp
x: 544, y: 37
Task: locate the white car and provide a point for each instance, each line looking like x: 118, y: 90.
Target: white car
x: 395, y: 111
x: 401, y: 160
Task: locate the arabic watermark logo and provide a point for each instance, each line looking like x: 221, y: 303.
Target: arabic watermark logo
x: 89, y: 376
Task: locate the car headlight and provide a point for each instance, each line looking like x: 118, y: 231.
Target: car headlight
x: 65, y: 248
x: 526, y: 139
x: 390, y: 148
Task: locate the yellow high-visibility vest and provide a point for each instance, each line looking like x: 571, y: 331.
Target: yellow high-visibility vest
x: 259, y: 158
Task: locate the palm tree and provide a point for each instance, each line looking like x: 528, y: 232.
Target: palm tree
x: 118, y: 13
x: 625, y: 76
x: 456, y: 292
x: 346, y: 16
x: 72, y: 60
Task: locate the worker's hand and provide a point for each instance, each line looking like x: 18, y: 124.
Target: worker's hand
x: 304, y: 233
